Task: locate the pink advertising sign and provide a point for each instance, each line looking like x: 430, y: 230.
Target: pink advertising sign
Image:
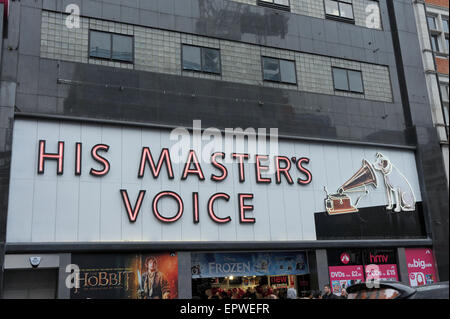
x: 382, y: 272
x: 344, y: 276
x: 421, y: 266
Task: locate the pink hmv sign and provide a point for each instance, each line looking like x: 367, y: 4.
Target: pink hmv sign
x: 421, y: 266
x: 382, y: 272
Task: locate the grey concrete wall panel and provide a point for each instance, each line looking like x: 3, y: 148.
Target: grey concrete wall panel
x: 323, y: 276
x: 402, y: 266
x: 23, y: 261
x: 63, y: 290
x: 184, y: 275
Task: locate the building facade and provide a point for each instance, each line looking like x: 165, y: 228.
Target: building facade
x: 118, y: 162
x: 432, y: 25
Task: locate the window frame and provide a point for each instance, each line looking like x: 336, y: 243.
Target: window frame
x: 279, y: 67
x: 348, y: 81
x: 435, y: 19
x: 444, y: 18
x: 111, y: 59
x: 201, y: 59
x: 274, y: 5
x: 339, y: 17
x: 438, y: 47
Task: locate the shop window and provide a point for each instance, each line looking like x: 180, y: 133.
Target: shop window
x: 201, y: 59
x: 348, y: 80
x: 110, y: 46
x: 277, y: 70
x: 342, y: 10
x: 277, y: 4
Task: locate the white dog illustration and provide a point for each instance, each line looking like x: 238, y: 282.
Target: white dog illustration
x: 397, y: 184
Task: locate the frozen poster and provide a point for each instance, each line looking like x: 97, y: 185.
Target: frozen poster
x: 252, y: 264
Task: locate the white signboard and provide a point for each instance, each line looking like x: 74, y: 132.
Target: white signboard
x: 74, y: 182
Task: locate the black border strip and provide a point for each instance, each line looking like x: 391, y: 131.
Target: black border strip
x: 170, y: 127
x: 209, y: 246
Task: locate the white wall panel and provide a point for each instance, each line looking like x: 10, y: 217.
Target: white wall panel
x: 49, y: 208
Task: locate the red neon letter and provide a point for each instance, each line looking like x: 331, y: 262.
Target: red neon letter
x: 304, y: 171
x: 51, y: 156
x: 180, y: 207
x: 195, y: 207
x: 241, y: 165
x: 192, y: 159
x: 284, y: 170
x: 211, y: 209
x: 219, y: 166
x: 163, y: 157
x: 78, y: 149
x: 260, y: 168
x: 243, y: 208
x: 132, y: 213
x: 101, y: 160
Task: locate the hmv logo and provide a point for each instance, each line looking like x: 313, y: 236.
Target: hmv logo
x: 378, y: 258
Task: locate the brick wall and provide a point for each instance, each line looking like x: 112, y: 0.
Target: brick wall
x: 160, y: 51
x: 440, y: 3
x: 442, y: 65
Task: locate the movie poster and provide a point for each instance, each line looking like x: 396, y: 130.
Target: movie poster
x: 126, y: 276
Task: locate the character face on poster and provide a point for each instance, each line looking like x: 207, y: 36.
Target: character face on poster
x: 126, y: 276
x: 153, y: 283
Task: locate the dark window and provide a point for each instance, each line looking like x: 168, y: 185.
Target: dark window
x: 115, y: 47
x: 100, y: 45
x: 122, y: 48
x: 279, y: 70
x: 432, y: 23
x: 435, y: 43
x: 446, y: 43
x: 201, y: 59
x: 445, y: 25
x: 277, y: 4
x: 339, y: 9
x: 348, y: 80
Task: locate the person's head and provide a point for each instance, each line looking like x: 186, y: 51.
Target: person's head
x: 151, y: 264
x: 292, y: 293
x: 344, y: 292
x: 327, y: 289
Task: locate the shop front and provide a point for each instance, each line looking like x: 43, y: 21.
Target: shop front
x: 129, y: 207
x: 249, y: 275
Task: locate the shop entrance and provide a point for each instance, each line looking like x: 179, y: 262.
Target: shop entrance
x: 250, y: 275
x: 31, y: 284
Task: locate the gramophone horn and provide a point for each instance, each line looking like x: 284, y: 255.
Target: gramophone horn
x: 364, y: 176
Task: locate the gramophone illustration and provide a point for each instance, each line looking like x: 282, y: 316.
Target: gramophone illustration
x: 341, y: 203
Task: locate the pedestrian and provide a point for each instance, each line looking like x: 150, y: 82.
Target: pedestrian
x: 328, y: 294
x: 291, y: 293
x: 344, y: 294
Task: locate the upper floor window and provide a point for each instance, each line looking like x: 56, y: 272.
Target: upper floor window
x: 110, y: 46
x: 277, y: 70
x: 348, y: 80
x: 278, y: 4
x: 201, y: 59
x: 432, y: 23
x: 445, y: 25
x: 435, y: 42
x: 444, y: 92
x: 342, y: 9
